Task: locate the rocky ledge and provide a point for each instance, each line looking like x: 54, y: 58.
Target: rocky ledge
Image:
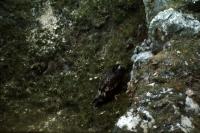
x: 165, y: 79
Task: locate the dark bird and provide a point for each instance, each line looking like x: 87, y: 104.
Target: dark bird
x: 114, y: 82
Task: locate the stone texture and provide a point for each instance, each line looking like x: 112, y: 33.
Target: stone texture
x: 170, y: 22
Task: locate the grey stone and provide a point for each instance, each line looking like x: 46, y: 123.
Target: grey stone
x: 170, y: 22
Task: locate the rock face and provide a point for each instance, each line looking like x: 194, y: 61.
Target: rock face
x: 153, y: 7
x: 164, y: 79
x: 89, y: 36
x: 52, y: 54
x: 170, y: 22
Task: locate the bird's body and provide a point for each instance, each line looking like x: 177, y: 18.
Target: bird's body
x: 113, y: 83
